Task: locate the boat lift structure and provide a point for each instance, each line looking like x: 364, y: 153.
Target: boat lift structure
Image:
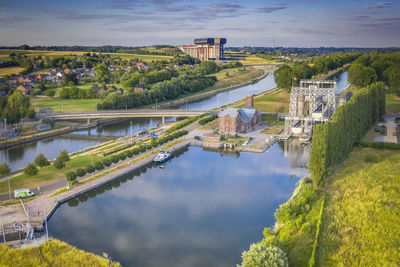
x: 313, y: 102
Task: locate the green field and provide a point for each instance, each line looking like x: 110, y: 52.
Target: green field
x: 361, y: 220
x: 392, y: 104
x: 236, y: 76
x: 10, y: 70
x: 64, y: 105
x: 146, y: 58
x: 51, y: 253
x: 47, y: 174
x: 277, y: 101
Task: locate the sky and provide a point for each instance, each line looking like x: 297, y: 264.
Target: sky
x: 287, y: 23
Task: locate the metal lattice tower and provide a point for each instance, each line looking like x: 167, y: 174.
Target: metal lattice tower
x: 314, y: 101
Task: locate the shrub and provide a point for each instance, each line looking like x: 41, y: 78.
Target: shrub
x: 129, y: 153
x: 64, y: 155
x: 208, y: 119
x: 31, y: 169
x: 114, y: 158
x: 58, y: 163
x: 372, y: 158
x: 4, y: 169
x: 99, y: 165
x: 142, y: 148
x: 122, y: 156
x: 136, y: 151
x: 90, y: 168
x: 41, y: 160
x: 259, y: 255
x: 81, y: 172
x: 71, y: 176
x: 107, y: 162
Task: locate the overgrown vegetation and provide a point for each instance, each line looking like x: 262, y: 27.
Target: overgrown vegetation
x: 51, y: 253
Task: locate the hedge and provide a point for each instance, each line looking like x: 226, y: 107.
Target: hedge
x: 208, y: 119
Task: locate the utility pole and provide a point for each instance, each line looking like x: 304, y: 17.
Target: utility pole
x: 156, y: 104
x: 126, y: 105
x: 186, y: 104
x: 2, y: 226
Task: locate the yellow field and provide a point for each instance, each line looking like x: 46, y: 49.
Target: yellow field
x: 253, y: 59
x: 10, y: 70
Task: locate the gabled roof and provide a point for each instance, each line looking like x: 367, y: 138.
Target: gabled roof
x: 231, y: 112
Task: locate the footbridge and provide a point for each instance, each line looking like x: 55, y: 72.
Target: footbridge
x: 128, y: 114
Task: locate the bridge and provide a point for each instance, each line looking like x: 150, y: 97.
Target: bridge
x: 129, y: 113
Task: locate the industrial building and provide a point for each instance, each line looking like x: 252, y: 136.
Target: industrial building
x: 313, y: 102
x: 205, y: 48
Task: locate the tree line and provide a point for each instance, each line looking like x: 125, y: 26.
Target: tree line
x: 334, y: 140
x: 373, y: 67
x: 288, y: 75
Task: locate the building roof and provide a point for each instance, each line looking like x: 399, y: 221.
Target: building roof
x: 246, y: 113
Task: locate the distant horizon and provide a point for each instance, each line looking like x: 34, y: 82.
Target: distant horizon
x: 255, y: 23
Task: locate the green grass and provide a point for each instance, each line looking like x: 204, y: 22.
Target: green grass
x: 277, y: 101
x: 10, y: 70
x: 236, y: 76
x: 64, y: 105
x: 361, y: 221
x: 392, y: 104
x: 51, y: 253
x: 46, y: 174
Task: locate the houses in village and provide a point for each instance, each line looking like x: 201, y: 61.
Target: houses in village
x: 233, y: 120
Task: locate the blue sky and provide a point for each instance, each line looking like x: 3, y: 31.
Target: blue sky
x: 300, y: 23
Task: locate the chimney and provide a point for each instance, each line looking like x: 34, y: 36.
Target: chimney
x: 249, y: 100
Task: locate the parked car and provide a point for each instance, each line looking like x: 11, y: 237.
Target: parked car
x: 394, y: 133
x: 197, y: 137
x: 245, y: 143
x: 22, y: 193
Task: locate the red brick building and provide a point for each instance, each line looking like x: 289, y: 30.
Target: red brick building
x: 232, y: 120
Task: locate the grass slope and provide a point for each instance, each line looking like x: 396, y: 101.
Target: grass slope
x: 361, y: 221
x: 392, y: 104
x: 51, y: 253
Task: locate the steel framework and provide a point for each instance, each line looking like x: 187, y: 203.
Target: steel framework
x: 321, y: 100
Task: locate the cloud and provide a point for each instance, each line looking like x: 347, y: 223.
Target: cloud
x: 360, y: 17
x: 270, y: 9
x: 380, y: 5
x: 10, y: 19
x: 119, y: 4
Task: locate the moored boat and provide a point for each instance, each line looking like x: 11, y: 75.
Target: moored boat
x: 162, y: 156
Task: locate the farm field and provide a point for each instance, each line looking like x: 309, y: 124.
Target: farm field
x: 146, y: 58
x: 10, y: 70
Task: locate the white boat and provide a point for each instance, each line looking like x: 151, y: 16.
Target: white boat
x: 162, y: 156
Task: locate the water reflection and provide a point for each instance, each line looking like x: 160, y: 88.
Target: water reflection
x: 202, y: 209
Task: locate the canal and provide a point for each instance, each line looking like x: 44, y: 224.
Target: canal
x: 203, y: 209
x: 18, y: 157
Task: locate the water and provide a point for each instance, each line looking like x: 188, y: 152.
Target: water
x: 203, y: 209
x: 19, y: 156
x: 227, y: 97
x: 343, y: 82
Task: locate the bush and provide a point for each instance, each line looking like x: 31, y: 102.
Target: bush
x: 99, y: 165
x: 81, y: 172
x: 259, y: 255
x: 136, y: 151
x: 4, y: 169
x: 122, y: 156
x: 372, y: 158
x: 64, y: 155
x: 107, y: 162
x: 208, y: 119
x: 31, y: 169
x: 90, y: 168
x: 49, y: 92
x: 41, y: 160
x: 71, y: 176
x: 114, y: 158
x: 142, y: 148
x: 58, y: 163
x: 129, y: 153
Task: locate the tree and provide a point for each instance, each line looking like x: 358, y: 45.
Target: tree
x: 259, y: 255
x: 63, y: 156
x: 69, y: 78
x: 283, y: 77
x: 31, y: 169
x: 41, y: 160
x: 16, y: 107
x: 71, y: 177
x: 58, y: 163
x: 4, y: 169
x: 102, y: 73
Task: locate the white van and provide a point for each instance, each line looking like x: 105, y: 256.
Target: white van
x: 22, y: 193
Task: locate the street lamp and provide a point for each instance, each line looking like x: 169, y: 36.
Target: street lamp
x: 2, y: 226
